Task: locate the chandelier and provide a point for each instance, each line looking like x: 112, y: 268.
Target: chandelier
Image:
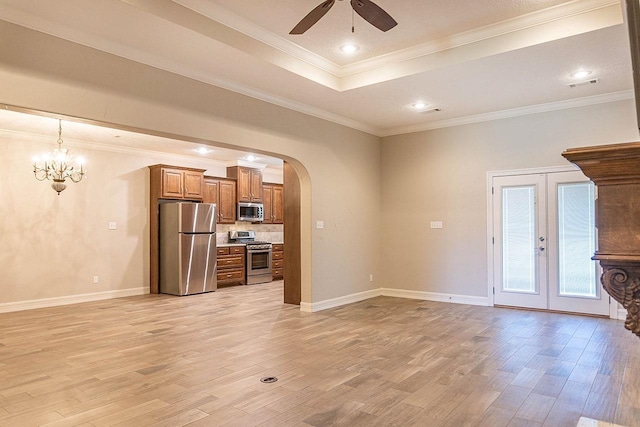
x: 58, y: 166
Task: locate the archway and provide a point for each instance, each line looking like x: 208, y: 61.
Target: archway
x: 297, y: 207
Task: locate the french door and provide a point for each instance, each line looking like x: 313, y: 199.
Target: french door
x: 544, y: 236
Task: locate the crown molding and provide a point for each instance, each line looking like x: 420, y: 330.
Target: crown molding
x: 590, y: 14
x: 530, y: 20
x: 513, y: 112
x: 460, y: 121
x: 549, y: 24
x: 238, y: 23
x: 167, y: 64
x: 246, y: 164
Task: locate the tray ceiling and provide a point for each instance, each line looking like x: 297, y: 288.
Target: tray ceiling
x: 473, y: 60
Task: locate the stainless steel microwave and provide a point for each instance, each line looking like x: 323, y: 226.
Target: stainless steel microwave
x: 250, y: 212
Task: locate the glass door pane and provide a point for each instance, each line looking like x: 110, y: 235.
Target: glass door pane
x: 519, y: 239
x: 520, y: 264
x: 574, y: 283
x: 576, y: 240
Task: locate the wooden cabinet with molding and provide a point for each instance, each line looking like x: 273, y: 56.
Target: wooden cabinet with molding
x: 249, y: 183
x: 222, y: 192
x: 273, y: 200
x: 175, y: 182
x: 231, y: 265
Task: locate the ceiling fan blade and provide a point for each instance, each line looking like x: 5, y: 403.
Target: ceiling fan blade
x: 313, y: 17
x: 373, y: 14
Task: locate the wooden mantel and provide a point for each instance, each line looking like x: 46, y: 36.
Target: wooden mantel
x: 615, y: 169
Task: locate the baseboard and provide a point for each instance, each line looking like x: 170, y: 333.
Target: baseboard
x: 434, y: 296
x: 622, y: 313
x: 70, y: 299
x: 397, y: 293
x: 337, y: 302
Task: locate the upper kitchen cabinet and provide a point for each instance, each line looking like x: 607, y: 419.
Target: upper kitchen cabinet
x: 278, y: 204
x: 249, y: 183
x: 273, y: 199
x: 175, y: 182
x: 222, y: 192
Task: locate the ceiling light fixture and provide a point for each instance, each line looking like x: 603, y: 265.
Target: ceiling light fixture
x: 420, y: 105
x: 57, y: 166
x: 251, y: 158
x: 580, y: 74
x: 203, y: 150
x: 349, y: 48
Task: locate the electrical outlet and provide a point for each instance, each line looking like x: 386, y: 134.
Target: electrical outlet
x: 371, y: 277
x: 95, y: 279
x: 319, y: 225
x: 436, y: 224
x: 112, y: 225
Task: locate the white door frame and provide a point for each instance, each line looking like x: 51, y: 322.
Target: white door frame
x: 613, y: 307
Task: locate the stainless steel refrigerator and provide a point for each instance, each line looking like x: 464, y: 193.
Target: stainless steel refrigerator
x: 188, y: 261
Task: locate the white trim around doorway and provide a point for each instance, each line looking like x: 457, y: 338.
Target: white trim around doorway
x: 613, y: 306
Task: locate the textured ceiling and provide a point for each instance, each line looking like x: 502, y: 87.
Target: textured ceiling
x: 419, y: 21
x: 473, y: 60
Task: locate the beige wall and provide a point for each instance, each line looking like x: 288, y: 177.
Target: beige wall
x: 375, y: 197
x: 339, y: 167
x: 440, y: 175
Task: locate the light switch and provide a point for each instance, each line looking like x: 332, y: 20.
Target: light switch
x: 319, y: 225
x: 112, y: 225
x: 436, y: 224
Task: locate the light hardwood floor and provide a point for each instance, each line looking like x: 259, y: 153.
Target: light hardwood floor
x: 197, y: 360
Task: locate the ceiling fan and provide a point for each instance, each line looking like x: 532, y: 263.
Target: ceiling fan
x: 368, y: 10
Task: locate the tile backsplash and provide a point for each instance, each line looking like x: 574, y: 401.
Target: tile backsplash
x: 268, y: 232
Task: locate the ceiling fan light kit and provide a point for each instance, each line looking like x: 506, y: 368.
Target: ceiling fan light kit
x: 349, y: 48
x: 368, y: 10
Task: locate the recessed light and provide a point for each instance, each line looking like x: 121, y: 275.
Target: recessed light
x: 580, y: 74
x: 251, y: 158
x: 203, y: 150
x: 349, y: 48
x: 420, y: 105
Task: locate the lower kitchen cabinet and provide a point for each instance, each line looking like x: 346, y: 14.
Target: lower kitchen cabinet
x: 231, y: 265
x: 277, y: 261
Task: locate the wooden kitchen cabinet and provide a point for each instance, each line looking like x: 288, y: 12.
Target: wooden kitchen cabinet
x: 222, y: 192
x: 174, y: 182
x: 231, y: 265
x: 273, y: 201
x: 278, y: 204
x: 249, y: 183
x: 277, y: 261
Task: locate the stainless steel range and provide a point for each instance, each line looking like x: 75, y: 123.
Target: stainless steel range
x: 258, y: 256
